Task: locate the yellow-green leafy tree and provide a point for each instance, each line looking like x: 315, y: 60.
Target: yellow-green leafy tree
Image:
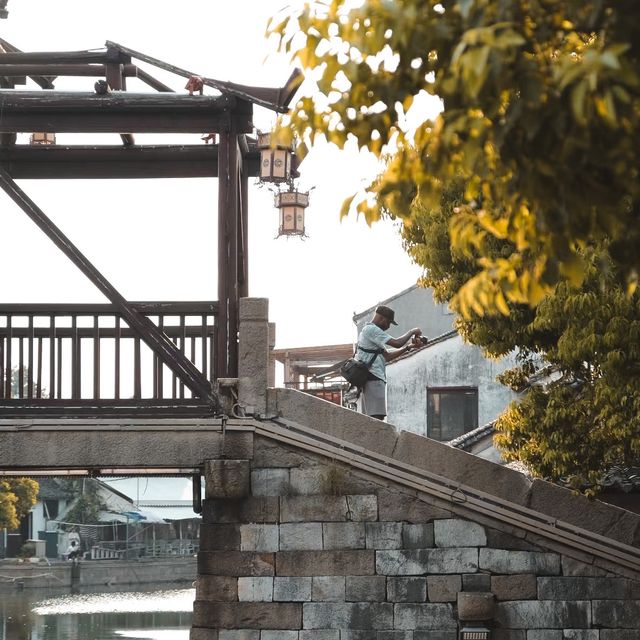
x: 578, y: 355
x: 540, y: 117
x: 17, y: 496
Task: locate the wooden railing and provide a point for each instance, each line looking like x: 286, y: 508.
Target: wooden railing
x: 85, y: 354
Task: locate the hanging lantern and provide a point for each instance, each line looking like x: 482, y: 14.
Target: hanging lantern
x: 43, y: 138
x: 275, y: 162
x: 292, y: 204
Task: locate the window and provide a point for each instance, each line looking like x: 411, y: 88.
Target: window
x: 51, y: 509
x: 451, y: 411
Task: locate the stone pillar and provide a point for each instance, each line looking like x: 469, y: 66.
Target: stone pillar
x: 271, y: 381
x: 253, y: 355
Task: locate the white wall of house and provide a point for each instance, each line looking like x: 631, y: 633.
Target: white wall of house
x: 448, y: 363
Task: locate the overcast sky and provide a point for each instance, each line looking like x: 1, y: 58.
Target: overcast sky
x: 156, y: 239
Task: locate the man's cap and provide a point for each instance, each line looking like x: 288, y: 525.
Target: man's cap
x: 387, y: 313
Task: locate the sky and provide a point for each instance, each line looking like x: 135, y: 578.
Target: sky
x: 156, y: 239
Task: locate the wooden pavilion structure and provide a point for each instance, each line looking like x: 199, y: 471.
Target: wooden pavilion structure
x: 195, y: 355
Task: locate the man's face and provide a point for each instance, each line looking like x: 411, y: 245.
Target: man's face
x: 383, y: 323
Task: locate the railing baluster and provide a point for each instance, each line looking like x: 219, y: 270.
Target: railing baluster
x: 59, y: 341
x: 52, y: 356
x: 2, y: 368
x: 30, y: 341
x: 183, y: 346
x: 137, y: 387
x: 39, y: 370
x: 174, y: 380
x: 20, y: 368
x: 96, y: 357
x: 203, y: 337
x: 74, y: 358
x: 118, y: 338
x: 160, y: 364
x: 9, y: 347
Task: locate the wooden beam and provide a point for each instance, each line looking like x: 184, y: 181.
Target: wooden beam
x: 58, y: 70
x: 104, y: 162
x: 276, y: 99
x: 161, y: 345
x: 54, y: 57
x: 79, y: 112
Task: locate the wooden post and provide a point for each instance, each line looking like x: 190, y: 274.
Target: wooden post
x: 228, y: 188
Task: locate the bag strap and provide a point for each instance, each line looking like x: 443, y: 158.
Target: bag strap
x: 375, y: 352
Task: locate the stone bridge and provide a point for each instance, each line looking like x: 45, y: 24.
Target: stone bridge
x: 322, y: 524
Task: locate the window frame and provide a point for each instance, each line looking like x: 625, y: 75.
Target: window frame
x: 467, y: 390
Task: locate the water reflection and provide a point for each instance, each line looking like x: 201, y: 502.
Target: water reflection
x: 159, y: 614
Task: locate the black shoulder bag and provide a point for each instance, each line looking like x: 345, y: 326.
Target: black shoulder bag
x: 356, y: 373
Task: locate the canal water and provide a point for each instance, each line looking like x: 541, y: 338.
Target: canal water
x: 150, y: 613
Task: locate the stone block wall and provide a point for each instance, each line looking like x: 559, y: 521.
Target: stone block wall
x: 316, y: 551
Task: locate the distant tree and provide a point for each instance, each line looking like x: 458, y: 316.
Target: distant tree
x: 15, y: 384
x: 87, y: 505
x: 17, y: 497
x: 581, y: 344
x: 540, y: 116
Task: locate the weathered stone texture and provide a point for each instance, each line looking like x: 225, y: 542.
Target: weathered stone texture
x: 239, y: 634
x: 325, y: 563
x: 396, y: 506
x: 424, y: 616
x: 247, y: 615
x: 581, y: 634
x: 315, y: 508
x: 227, y: 479
x: 417, y: 536
x: 217, y: 588
x: 200, y: 633
x: 475, y: 605
x: 435, y: 635
x: 343, y: 535
x: 328, y: 589
x: 302, y: 536
x: 544, y: 634
x: 412, y: 589
x: 255, y: 589
x: 426, y: 561
x: 219, y: 537
x: 280, y: 634
x: 259, y: 537
x: 618, y: 634
x: 587, y: 589
x: 235, y: 563
x: 624, y: 614
x: 476, y: 582
x: 320, y: 615
x: 292, y: 589
x: 365, y: 588
x: 270, y: 482
x: 267, y: 453
x: 544, y: 614
x: 251, y: 509
x: 443, y: 588
x: 319, y: 634
x: 571, y: 567
x: 458, y: 533
x: 499, y: 561
x: 515, y: 587
x: 514, y: 541
x: 362, y: 508
x: 384, y: 535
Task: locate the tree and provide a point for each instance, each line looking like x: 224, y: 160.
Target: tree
x: 540, y: 116
x: 17, y: 496
x: 581, y: 344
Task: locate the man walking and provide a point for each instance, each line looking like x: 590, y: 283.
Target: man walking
x: 372, y: 350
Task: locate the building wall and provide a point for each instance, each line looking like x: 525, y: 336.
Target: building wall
x: 450, y: 363
x: 318, y: 551
x: 413, y: 307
